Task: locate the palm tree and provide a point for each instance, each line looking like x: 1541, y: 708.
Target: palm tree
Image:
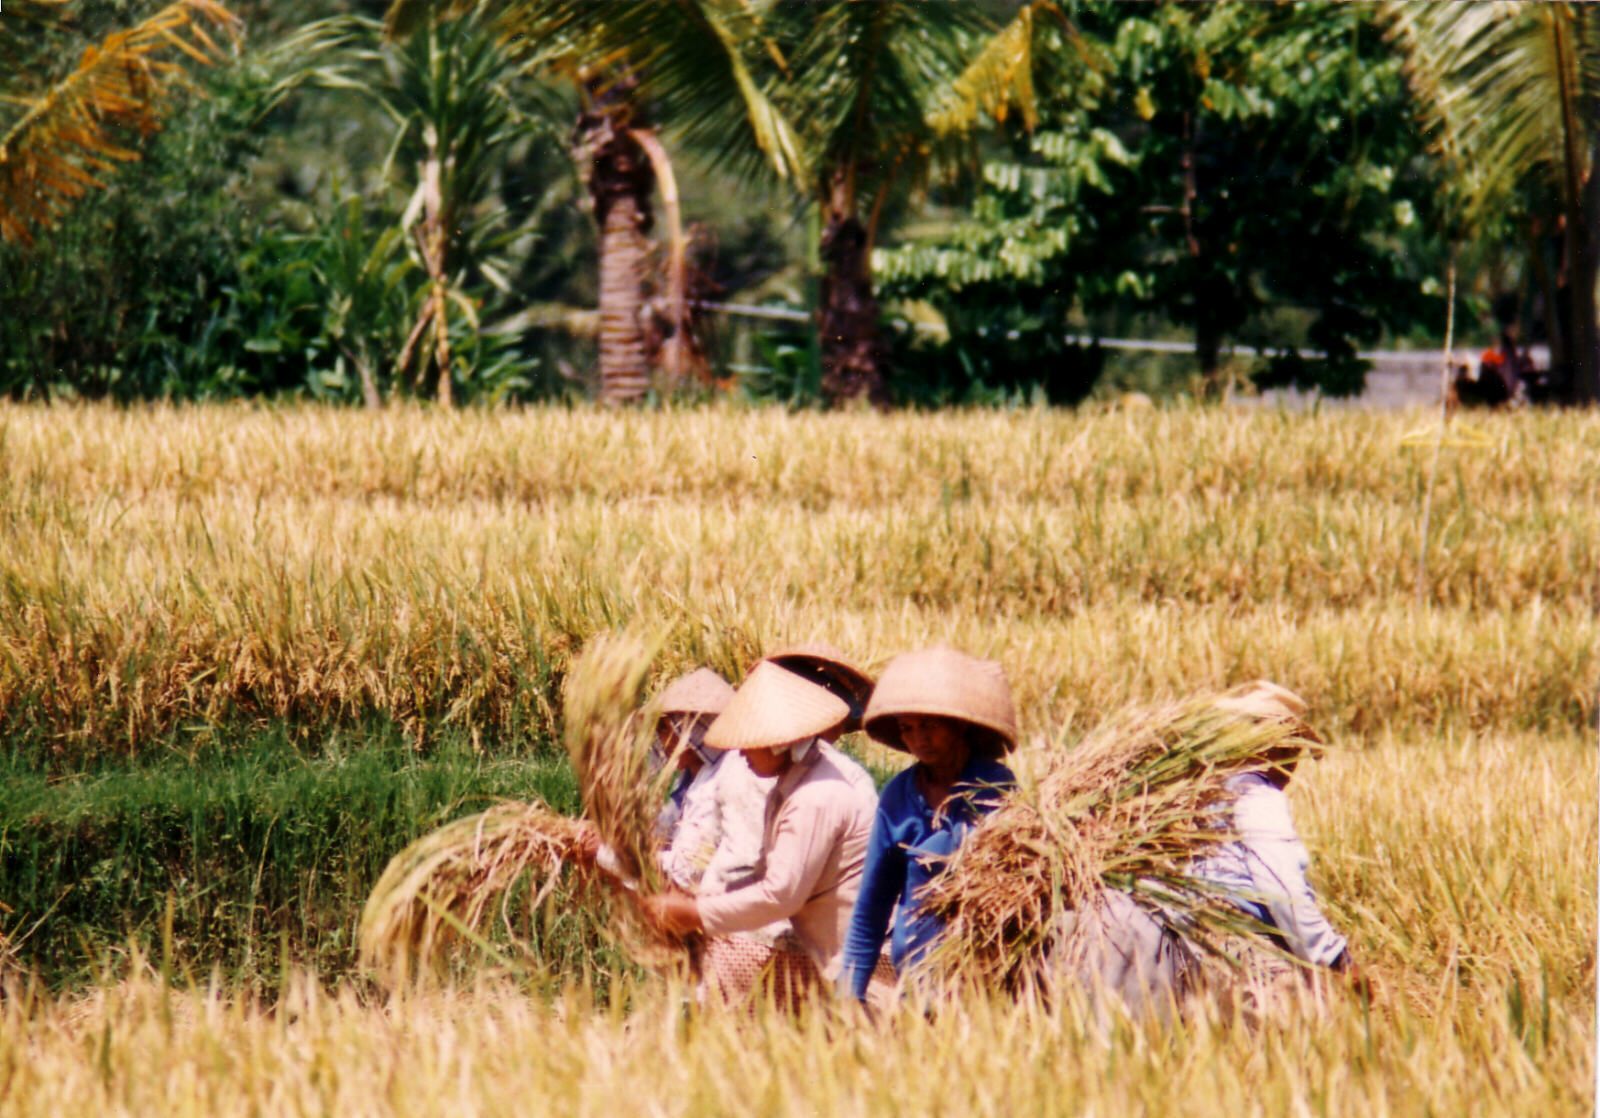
x: 68, y: 132
x: 854, y: 102
x: 449, y: 93
x: 883, y: 95
x: 1513, y: 93
x: 682, y: 58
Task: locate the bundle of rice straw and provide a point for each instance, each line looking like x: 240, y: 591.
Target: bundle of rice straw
x: 608, y: 734
x: 436, y: 890
x: 1130, y: 808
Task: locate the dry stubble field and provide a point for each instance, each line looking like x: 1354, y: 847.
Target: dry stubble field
x: 166, y: 573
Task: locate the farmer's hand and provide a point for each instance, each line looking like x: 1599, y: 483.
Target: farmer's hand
x: 586, y: 844
x: 1345, y: 967
x: 674, y: 913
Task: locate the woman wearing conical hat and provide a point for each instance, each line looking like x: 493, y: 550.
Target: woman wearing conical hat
x: 835, y: 673
x: 703, y: 843
x: 813, y: 846
x: 953, y: 713
x: 739, y: 811
x: 691, y: 824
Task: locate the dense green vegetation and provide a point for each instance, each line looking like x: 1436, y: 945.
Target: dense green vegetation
x: 258, y: 852
x: 947, y: 190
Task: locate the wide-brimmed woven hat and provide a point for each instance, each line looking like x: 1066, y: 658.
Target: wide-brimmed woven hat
x: 773, y: 707
x: 702, y: 691
x: 1265, y: 699
x: 827, y: 667
x: 949, y: 683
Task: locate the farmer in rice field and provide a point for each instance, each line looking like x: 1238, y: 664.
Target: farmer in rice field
x: 831, y: 670
x: 1148, y: 965
x: 813, y: 846
x: 953, y: 713
x: 710, y: 826
x: 1263, y: 871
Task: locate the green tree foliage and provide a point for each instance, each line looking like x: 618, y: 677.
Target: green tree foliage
x: 1227, y: 160
x: 76, y: 93
x: 883, y: 97
x: 192, y: 277
x: 452, y: 92
x: 1511, y: 93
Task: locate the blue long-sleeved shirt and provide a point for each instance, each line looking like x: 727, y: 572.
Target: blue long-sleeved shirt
x: 908, y: 848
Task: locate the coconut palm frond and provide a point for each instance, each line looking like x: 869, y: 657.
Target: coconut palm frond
x: 863, y: 77
x: 73, y: 132
x: 405, y: 16
x: 20, y: 24
x: 998, y: 77
x: 699, y: 53
x: 701, y: 63
x: 1508, y: 89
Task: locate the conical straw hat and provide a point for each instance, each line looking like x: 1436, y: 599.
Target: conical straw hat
x: 702, y: 691
x: 945, y: 682
x: 1265, y: 699
x: 827, y: 667
x: 773, y: 707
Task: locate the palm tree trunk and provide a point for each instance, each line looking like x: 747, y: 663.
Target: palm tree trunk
x: 678, y: 354
x: 624, y: 372
x: 620, y: 179
x: 847, y: 314
x: 1583, y: 240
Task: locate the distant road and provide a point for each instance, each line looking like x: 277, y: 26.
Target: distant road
x: 1398, y: 378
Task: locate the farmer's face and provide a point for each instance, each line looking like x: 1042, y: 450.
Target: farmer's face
x: 937, y: 742
x: 766, y: 762
x: 687, y: 759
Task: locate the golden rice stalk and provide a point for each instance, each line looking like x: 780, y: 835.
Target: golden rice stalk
x: 607, y: 734
x: 1130, y: 808
x: 608, y: 731
x: 437, y: 890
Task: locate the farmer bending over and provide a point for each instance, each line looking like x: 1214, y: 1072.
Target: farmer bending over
x: 710, y: 826
x: 1263, y: 871
x: 953, y: 713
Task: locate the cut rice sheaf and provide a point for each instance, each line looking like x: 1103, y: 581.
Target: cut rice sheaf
x: 437, y: 891
x: 1131, y: 808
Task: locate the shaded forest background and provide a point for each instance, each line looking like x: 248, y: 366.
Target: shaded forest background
x: 948, y: 217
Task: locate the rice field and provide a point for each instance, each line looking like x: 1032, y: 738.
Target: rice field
x: 179, y: 585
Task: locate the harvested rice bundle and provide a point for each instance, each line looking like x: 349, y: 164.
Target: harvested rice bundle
x: 608, y: 735
x: 437, y: 890
x: 1130, y: 809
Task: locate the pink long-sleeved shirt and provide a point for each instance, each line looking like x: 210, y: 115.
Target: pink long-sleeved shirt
x: 818, y: 823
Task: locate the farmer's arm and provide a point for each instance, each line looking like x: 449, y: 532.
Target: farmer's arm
x: 1277, y: 862
x: 883, y: 879
x: 803, y: 840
